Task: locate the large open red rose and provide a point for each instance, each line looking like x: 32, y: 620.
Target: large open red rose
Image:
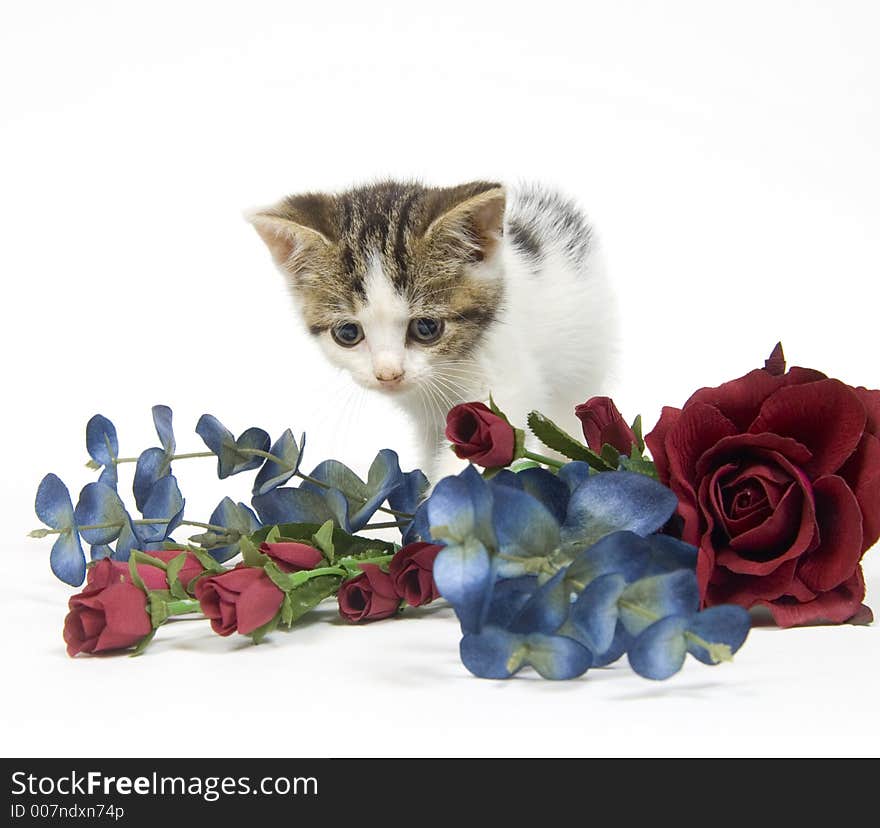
x: 778, y: 480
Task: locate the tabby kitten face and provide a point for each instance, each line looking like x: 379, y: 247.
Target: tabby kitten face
x: 394, y: 280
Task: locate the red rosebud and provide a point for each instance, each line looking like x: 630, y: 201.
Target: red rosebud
x: 778, y: 480
x: 412, y: 572
x: 368, y: 597
x: 107, y: 571
x: 292, y: 557
x: 114, y: 617
x: 239, y: 600
x: 479, y: 435
x: 603, y: 425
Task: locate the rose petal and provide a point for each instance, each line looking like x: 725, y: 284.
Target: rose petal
x: 834, y: 607
x: 258, y: 604
x: 826, y: 416
x: 699, y: 429
x: 862, y: 474
x: 871, y: 401
x: 656, y: 440
x: 125, y: 614
x: 840, y: 533
x: 741, y: 399
x: 747, y: 590
x: 762, y: 448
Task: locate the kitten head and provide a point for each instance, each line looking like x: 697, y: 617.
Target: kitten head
x: 396, y: 281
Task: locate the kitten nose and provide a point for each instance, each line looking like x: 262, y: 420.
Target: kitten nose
x: 388, y: 374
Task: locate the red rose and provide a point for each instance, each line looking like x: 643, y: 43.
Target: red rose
x: 241, y: 599
x: 412, y: 573
x: 107, y: 571
x: 368, y: 597
x: 778, y: 480
x: 479, y: 435
x: 603, y: 425
x: 292, y: 557
x: 114, y: 617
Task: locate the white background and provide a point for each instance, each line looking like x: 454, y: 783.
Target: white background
x: 730, y: 156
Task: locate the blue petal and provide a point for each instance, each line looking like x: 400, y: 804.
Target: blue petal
x: 621, y: 553
x: 506, y: 477
x: 234, y: 516
x: 275, y: 474
x: 669, y: 554
x: 152, y: 465
x: 230, y: 457
x: 548, y: 489
x: 383, y: 478
x: 162, y: 421
x: 621, y: 642
x: 109, y: 476
x: 67, y: 559
x: 557, y: 657
x: 523, y: 528
x: 725, y: 624
x: 300, y: 506
x: 99, y: 504
x: 96, y: 553
x: 464, y: 577
x: 460, y: 508
x: 546, y: 611
x: 418, y: 529
x: 409, y: 493
x: 657, y: 596
x: 594, y: 614
x: 165, y: 502
x: 490, y: 653
x: 101, y: 440
x: 128, y: 540
x: 659, y: 651
x: 509, y: 596
x: 53, y: 505
x: 612, y: 501
x: 574, y: 473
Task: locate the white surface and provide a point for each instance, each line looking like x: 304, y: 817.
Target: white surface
x: 731, y: 157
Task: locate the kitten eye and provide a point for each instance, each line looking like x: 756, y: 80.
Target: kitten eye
x: 348, y: 334
x: 426, y: 330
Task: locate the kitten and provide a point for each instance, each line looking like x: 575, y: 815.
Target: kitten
x: 440, y: 295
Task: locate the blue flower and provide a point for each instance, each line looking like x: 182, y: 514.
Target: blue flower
x: 103, y: 447
x: 155, y: 463
x: 54, y: 508
x: 233, y: 455
x: 239, y: 521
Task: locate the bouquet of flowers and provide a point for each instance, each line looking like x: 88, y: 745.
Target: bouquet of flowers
x: 763, y: 491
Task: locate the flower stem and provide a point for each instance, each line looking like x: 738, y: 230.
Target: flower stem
x: 210, y: 526
x: 173, y: 457
x: 182, y: 607
x: 391, y: 524
x: 540, y: 458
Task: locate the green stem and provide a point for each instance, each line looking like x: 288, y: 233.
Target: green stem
x: 182, y: 607
x: 210, y: 526
x: 391, y: 524
x: 540, y: 458
x: 173, y: 457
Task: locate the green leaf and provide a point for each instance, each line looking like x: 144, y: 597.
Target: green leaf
x: 344, y: 545
x: 259, y: 634
x: 493, y: 407
x: 611, y: 455
x: 286, y: 611
x: 637, y: 430
x: 639, y: 464
x: 134, y: 574
x: 158, y: 608
x: 206, y: 560
x: 173, y: 572
x: 143, y: 643
x: 552, y: 436
x: 283, y: 580
x: 274, y: 535
x: 323, y: 540
x: 251, y: 555
x: 311, y: 593
x: 523, y: 464
x: 519, y: 443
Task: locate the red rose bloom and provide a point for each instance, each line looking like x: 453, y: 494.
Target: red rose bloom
x: 479, y: 435
x: 239, y: 600
x: 292, y: 557
x: 368, y: 597
x: 107, y: 571
x: 412, y: 573
x: 101, y: 619
x: 603, y: 425
x: 778, y: 480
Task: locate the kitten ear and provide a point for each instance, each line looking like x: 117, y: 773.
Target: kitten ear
x: 294, y: 226
x: 473, y: 226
